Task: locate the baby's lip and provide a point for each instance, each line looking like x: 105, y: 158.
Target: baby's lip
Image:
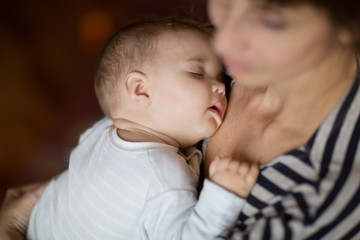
x: 218, y: 108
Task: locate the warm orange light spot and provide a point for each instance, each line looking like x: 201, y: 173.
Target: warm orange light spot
x: 94, y: 29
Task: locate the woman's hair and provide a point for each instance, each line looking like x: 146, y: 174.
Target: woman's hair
x: 342, y: 13
x: 129, y: 49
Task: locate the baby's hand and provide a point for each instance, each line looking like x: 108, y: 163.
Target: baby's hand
x: 235, y: 176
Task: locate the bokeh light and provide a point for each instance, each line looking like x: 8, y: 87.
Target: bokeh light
x: 94, y: 29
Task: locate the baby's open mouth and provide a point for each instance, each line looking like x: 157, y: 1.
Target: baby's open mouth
x: 217, y: 108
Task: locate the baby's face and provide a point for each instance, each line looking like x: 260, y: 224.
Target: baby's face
x: 189, y: 99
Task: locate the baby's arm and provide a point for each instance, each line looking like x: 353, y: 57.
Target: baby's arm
x: 175, y: 213
x: 233, y: 175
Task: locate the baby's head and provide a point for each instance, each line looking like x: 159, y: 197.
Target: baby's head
x: 164, y: 75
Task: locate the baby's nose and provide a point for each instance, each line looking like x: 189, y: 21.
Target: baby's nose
x: 219, y: 88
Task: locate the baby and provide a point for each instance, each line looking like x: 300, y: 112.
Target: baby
x: 159, y: 84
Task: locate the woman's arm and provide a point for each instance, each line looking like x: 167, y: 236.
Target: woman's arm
x: 16, y: 209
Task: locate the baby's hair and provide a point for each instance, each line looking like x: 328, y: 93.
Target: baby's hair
x: 129, y: 49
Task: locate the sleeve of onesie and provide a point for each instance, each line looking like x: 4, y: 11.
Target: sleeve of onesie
x: 176, y: 214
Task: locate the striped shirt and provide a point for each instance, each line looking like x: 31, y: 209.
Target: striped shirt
x: 116, y: 189
x: 312, y: 192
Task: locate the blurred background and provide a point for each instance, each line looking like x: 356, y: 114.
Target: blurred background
x: 48, y: 51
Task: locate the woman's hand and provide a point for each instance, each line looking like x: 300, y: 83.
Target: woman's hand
x: 16, y: 209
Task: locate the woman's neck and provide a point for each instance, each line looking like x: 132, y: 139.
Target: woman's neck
x: 312, y: 96
x: 135, y: 132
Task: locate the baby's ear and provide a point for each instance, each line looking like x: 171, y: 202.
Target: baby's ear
x: 136, y: 86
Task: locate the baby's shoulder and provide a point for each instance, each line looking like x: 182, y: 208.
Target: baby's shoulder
x: 172, y: 170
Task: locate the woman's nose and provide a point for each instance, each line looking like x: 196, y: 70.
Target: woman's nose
x: 231, y: 36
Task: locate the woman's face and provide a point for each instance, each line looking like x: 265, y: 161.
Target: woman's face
x: 263, y: 44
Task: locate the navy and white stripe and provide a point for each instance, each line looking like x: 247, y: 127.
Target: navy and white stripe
x: 312, y: 192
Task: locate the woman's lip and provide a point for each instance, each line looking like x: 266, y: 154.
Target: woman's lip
x: 234, y: 66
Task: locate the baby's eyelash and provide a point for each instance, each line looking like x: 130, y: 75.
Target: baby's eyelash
x: 198, y: 74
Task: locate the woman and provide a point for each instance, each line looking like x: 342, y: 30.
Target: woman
x: 294, y: 108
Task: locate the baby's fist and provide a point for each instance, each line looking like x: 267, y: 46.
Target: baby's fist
x: 235, y: 176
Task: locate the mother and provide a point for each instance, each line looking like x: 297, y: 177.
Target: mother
x: 294, y: 108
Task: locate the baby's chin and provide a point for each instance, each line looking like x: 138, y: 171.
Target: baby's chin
x: 214, y: 126
x: 202, y: 134
x: 212, y: 129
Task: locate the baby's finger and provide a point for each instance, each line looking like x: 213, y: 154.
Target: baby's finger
x: 253, y: 173
x: 244, y: 168
x: 220, y: 164
x: 234, y: 166
x: 213, y: 166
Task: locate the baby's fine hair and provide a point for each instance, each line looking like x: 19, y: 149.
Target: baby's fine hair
x: 129, y: 49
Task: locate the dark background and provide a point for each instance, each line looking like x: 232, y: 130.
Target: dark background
x: 48, y: 51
